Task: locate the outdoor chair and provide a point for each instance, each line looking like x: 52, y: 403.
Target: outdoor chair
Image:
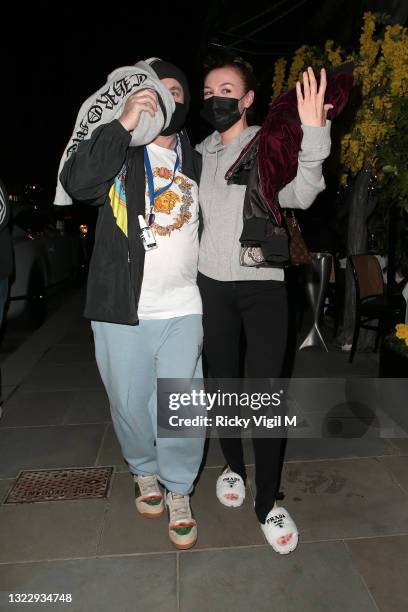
x: 374, y: 311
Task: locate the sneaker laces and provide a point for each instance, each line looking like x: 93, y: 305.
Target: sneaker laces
x: 179, y: 508
x: 148, y: 485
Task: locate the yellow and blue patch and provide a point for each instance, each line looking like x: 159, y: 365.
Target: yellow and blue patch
x: 117, y: 197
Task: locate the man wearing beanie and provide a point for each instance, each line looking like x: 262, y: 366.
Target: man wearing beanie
x: 142, y: 295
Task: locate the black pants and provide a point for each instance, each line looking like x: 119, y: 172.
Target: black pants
x: 260, y: 309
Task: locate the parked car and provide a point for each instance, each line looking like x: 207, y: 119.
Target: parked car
x: 50, y: 250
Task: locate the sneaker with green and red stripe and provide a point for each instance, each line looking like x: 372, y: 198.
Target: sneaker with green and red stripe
x: 148, y: 497
x: 182, y: 525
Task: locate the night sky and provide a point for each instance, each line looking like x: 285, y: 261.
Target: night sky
x: 55, y: 55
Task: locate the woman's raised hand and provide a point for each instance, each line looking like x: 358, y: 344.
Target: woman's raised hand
x: 311, y: 106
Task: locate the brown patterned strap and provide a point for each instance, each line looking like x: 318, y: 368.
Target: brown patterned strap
x: 299, y: 253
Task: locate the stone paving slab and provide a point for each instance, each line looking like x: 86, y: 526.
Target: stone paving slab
x: 47, y: 376
x: 110, y: 452
x: 88, y: 406
x: 5, y: 485
x: 318, y: 578
x: 400, y: 445
x: 6, y: 391
x: 313, y: 362
x: 70, y: 353
x: 50, y: 530
x: 337, y: 448
x: 398, y: 467
x: 55, y: 407
x: 382, y: 562
x: 48, y: 447
x: 19, y: 364
x: 36, y: 408
x: 215, y: 457
x: 125, y: 584
x: 80, y: 335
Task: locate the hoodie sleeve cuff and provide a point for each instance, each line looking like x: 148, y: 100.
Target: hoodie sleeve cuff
x: 315, y: 140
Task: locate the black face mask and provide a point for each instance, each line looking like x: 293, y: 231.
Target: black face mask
x: 221, y: 112
x: 177, y: 120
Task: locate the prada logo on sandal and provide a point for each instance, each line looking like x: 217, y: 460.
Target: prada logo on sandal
x: 231, y: 480
x: 276, y: 520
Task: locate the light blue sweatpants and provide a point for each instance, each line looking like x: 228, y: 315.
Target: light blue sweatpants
x: 130, y: 358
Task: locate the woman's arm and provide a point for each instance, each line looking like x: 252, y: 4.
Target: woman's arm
x: 309, y: 181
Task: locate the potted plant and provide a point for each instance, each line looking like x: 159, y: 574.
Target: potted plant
x: 394, y: 353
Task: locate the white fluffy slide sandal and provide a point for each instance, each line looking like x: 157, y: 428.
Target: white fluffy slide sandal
x: 230, y: 489
x: 278, y: 526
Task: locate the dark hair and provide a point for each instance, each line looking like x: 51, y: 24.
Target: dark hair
x: 226, y: 59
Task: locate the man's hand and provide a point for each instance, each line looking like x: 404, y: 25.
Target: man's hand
x: 311, y: 106
x: 145, y: 100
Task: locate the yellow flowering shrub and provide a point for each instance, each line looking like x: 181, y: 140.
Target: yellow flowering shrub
x: 299, y: 63
x: 333, y: 55
x: 401, y: 331
x: 278, y: 78
x: 381, y: 71
x: 399, y: 340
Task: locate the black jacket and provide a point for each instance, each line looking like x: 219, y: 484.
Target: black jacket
x: 117, y: 263
x: 263, y: 223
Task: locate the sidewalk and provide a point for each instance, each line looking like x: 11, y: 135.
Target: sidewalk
x: 349, y: 498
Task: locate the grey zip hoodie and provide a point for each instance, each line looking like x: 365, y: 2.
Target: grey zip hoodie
x: 107, y: 104
x: 222, y: 204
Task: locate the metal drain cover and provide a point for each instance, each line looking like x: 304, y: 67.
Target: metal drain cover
x: 55, y: 485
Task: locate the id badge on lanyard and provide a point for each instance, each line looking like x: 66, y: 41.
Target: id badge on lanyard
x: 147, y: 235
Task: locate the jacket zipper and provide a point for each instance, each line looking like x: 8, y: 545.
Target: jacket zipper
x: 129, y: 164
